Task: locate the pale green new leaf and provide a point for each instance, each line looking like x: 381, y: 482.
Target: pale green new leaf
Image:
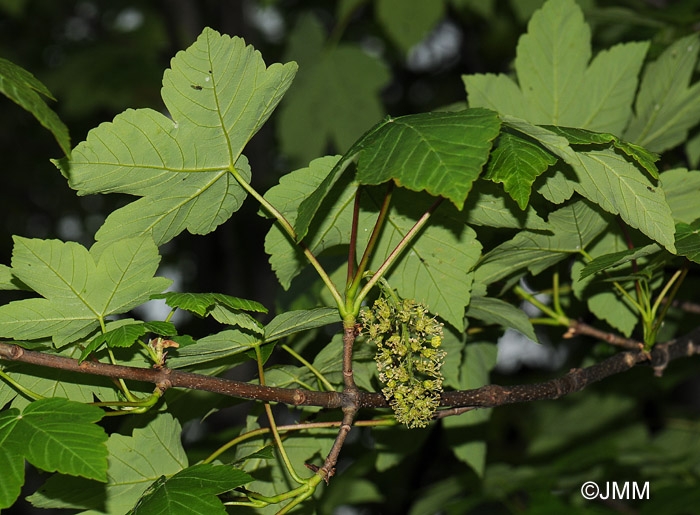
x: 135, y: 462
x: 556, y: 84
x: 516, y: 163
x: 497, y: 311
x: 79, y: 289
x: 292, y: 322
x: 335, y: 96
x: 57, y: 435
x: 667, y: 106
x: 24, y: 89
x: 618, y: 186
x: 407, y: 22
x: 682, y: 189
x: 442, y: 153
x: 573, y: 228
x: 612, y: 182
x: 219, y: 93
x: 219, y: 345
x: 193, y: 490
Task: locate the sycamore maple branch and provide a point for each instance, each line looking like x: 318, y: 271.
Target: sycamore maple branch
x: 485, y: 397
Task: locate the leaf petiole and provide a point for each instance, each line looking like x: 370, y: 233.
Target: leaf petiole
x: 287, y: 227
x: 273, y: 424
x: 26, y: 391
x: 308, y: 365
x: 394, y: 256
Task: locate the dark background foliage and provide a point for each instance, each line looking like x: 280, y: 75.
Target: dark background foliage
x: 99, y: 58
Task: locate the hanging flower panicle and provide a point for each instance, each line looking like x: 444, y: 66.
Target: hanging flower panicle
x: 408, y: 357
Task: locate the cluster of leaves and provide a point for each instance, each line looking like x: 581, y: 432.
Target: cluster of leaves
x: 408, y: 357
x: 570, y: 158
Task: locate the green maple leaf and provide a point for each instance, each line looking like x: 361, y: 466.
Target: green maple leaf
x: 79, y: 289
x: 667, y: 105
x: 335, y: 96
x: 219, y: 93
x: 53, y: 435
x: 192, y: 490
x: 556, y: 84
x: 573, y: 228
x: 134, y: 463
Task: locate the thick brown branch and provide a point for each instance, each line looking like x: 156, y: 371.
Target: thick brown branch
x: 486, y: 397
x: 168, y: 378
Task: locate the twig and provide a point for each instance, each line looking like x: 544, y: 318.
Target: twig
x: 613, y: 339
x: 451, y: 412
x: 350, y: 401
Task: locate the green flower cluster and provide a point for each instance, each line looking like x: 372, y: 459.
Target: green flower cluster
x: 408, y: 357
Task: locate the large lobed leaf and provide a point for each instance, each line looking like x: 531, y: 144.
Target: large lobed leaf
x: 611, y: 181
x: 667, y: 105
x: 53, y: 435
x: 135, y: 462
x: 79, y: 289
x: 335, y: 96
x: 556, y: 83
x: 219, y: 93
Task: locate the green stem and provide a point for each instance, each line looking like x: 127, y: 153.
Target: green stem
x: 312, y: 484
x: 544, y: 321
x: 393, y: 256
x: 308, y: 365
x: 17, y: 386
x: 555, y: 294
x: 561, y: 319
x: 273, y: 424
x: 293, y: 427
x: 670, y: 298
x: 122, y: 384
x: 147, y: 402
x: 352, y: 251
x: 293, y: 235
x: 170, y: 315
x: 381, y: 217
x: 150, y: 351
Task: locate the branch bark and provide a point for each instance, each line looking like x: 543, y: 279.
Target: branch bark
x: 489, y: 396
